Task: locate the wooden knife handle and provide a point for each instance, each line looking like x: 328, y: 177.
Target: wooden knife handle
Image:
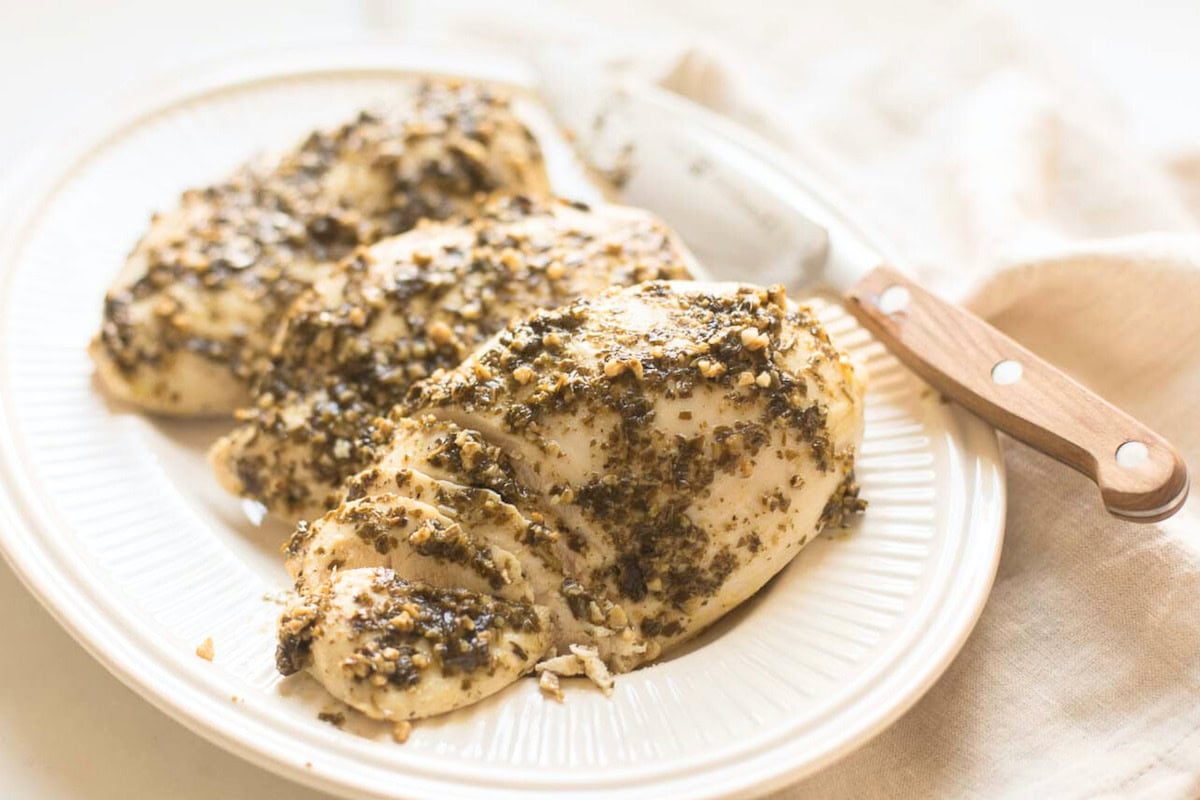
x: 1141, y: 477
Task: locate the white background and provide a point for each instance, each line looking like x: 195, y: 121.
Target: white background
x: 68, y: 729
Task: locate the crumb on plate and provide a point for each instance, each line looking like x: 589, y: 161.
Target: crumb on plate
x: 205, y: 650
x: 548, y: 683
x: 401, y: 731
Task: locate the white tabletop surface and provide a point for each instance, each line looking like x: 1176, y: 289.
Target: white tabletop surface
x: 70, y: 730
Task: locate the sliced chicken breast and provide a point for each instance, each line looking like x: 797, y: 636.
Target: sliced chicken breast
x: 669, y: 447
x: 687, y: 438
x: 189, y: 319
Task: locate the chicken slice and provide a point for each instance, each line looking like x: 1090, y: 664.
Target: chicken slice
x: 350, y: 347
x: 399, y: 650
x: 414, y: 539
x: 193, y: 311
x: 667, y: 447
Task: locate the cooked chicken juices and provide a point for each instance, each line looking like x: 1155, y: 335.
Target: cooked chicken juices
x: 349, y: 348
x: 191, y: 315
x: 589, y: 488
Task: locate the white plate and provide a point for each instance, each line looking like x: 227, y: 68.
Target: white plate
x: 114, y: 523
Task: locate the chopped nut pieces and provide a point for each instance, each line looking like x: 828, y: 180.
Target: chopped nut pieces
x: 440, y: 333
x: 401, y: 731
x: 205, y: 650
x: 567, y: 666
x: 753, y: 339
x: 583, y: 660
x: 548, y: 683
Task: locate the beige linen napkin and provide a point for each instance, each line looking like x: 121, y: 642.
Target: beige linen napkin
x: 1008, y: 183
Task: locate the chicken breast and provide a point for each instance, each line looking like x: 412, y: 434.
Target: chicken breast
x: 351, y: 346
x: 190, y: 317
x: 659, y: 452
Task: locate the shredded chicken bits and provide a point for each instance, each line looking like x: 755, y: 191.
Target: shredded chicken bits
x: 591, y: 487
x: 190, y: 317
